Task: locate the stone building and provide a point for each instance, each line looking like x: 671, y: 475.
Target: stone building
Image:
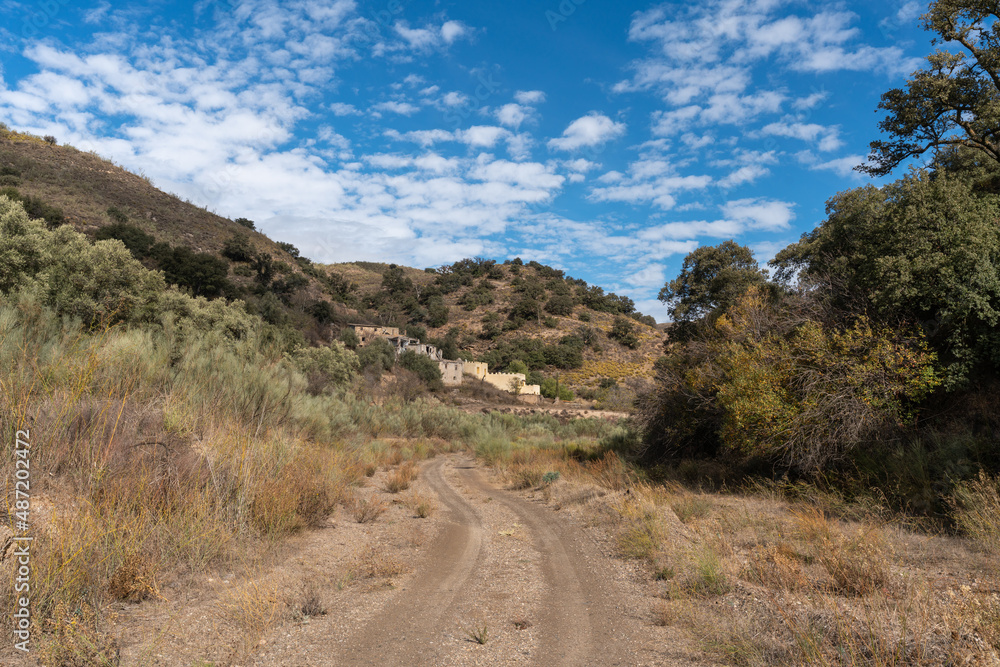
x: 451, y: 372
x: 368, y: 332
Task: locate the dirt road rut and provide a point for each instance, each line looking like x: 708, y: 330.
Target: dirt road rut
x: 502, y: 562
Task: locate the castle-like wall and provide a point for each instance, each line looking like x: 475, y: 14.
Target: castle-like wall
x: 477, y: 368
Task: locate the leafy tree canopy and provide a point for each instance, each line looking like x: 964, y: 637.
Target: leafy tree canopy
x: 955, y: 100
x: 923, y: 249
x: 712, y: 278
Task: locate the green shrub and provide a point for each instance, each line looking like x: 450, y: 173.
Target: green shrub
x: 349, y: 338
x: 117, y: 215
x: 560, y: 305
x: 623, y: 331
x: 201, y: 273
x: 425, y: 368
x: 246, y: 222
x: 135, y: 239
x: 551, y: 388
x: 377, y: 356
x: 238, y: 248
x: 36, y: 208
x: 100, y: 282
x: 326, y: 367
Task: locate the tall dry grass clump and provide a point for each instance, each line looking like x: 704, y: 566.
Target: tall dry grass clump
x: 977, y: 511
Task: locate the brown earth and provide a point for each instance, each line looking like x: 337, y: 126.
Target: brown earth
x: 541, y: 583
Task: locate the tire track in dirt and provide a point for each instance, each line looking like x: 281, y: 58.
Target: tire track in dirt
x: 580, y: 624
x: 408, y: 631
x: 579, y: 620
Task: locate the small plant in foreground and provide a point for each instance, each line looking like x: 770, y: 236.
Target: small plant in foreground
x: 422, y: 506
x: 478, y: 633
x: 401, y: 478
x: 311, y: 604
x: 367, y: 510
x: 550, y: 477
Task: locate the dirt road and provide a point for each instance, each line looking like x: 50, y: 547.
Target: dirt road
x: 502, y: 561
x: 540, y: 586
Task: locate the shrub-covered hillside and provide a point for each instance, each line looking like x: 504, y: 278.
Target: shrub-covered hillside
x: 509, y: 314
x: 512, y: 314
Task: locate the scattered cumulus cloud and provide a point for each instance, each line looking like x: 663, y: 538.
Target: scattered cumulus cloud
x: 591, y: 130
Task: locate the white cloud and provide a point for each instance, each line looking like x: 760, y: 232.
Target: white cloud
x: 484, y: 136
x: 402, y: 108
x: 431, y: 37
x: 843, y: 166
x: 746, y: 174
x: 529, y: 96
x: 593, y: 129
x: 454, y: 99
x: 342, y: 109
x: 452, y: 30
x: 760, y: 213
x: 512, y: 115
x: 825, y: 138
x: 649, y: 277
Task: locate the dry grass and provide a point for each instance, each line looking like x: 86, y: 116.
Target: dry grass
x: 401, y: 478
x: 422, y: 506
x: 757, y: 581
x: 72, y: 639
x: 375, y: 562
x: 254, y: 608
x: 134, y: 580
x: 977, y: 511
x: 366, y: 510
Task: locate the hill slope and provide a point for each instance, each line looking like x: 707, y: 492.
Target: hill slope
x: 475, y: 308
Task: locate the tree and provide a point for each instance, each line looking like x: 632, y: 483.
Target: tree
x: 712, y: 279
x: 955, y: 101
x: 924, y: 249
x: 623, y: 331
x: 425, y: 368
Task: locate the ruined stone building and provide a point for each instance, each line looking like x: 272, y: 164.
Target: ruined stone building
x: 452, y: 371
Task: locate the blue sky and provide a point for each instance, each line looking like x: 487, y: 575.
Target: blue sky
x: 608, y: 139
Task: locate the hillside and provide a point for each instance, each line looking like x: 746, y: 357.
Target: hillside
x: 475, y: 308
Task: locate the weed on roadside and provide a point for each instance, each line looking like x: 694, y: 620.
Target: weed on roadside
x: 366, y: 510
x: 478, y: 633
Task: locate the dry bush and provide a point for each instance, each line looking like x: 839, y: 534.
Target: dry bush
x: 253, y: 608
x: 400, y: 479
x: 309, y: 604
x: 375, y: 563
x: 642, y: 533
x: 367, y: 510
x: 71, y: 638
x: 709, y: 575
x: 134, y: 580
x: 977, y: 511
x: 663, y: 613
x: 690, y: 507
x: 524, y: 475
x: 776, y: 566
x: 423, y: 506
x: 973, y: 618
x: 859, y: 563
x: 610, y: 472
x: 395, y: 456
